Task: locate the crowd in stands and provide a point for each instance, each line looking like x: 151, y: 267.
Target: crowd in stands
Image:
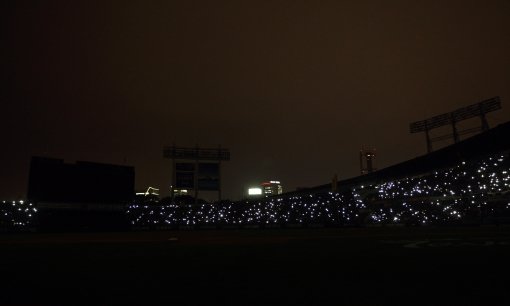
x: 470, y: 192
x: 17, y: 215
x: 315, y: 208
x: 464, y: 193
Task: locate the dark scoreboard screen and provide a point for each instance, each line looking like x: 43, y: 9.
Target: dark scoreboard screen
x: 52, y: 180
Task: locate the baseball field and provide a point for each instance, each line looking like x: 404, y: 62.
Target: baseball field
x: 302, y: 266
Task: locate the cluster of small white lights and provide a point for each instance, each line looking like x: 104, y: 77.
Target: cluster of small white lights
x: 314, y: 208
x: 16, y: 214
x: 446, y: 195
x: 469, y: 190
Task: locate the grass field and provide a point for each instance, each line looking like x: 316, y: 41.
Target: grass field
x: 337, y: 266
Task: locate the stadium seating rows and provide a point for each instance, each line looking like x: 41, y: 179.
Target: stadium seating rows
x: 470, y: 192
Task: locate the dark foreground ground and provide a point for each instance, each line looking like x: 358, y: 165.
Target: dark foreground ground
x: 341, y: 266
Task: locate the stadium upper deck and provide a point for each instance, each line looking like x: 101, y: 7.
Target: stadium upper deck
x: 493, y: 141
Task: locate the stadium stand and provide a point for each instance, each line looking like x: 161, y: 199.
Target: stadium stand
x: 466, y: 183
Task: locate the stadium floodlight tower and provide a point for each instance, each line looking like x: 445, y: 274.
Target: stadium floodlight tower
x: 196, y: 168
x: 474, y: 110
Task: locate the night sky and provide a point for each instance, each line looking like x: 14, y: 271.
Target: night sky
x: 292, y: 88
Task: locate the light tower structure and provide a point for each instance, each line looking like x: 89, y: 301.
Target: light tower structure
x: 452, y: 118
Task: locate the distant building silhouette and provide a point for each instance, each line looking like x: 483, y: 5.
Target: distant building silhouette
x: 255, y: 192
x: 150, y: 195
x: 151, y: 191
x: 181, y: 192
x: 271, y: 188
x: 367, y: 160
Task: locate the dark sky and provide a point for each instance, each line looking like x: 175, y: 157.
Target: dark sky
x: 293, y: 88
